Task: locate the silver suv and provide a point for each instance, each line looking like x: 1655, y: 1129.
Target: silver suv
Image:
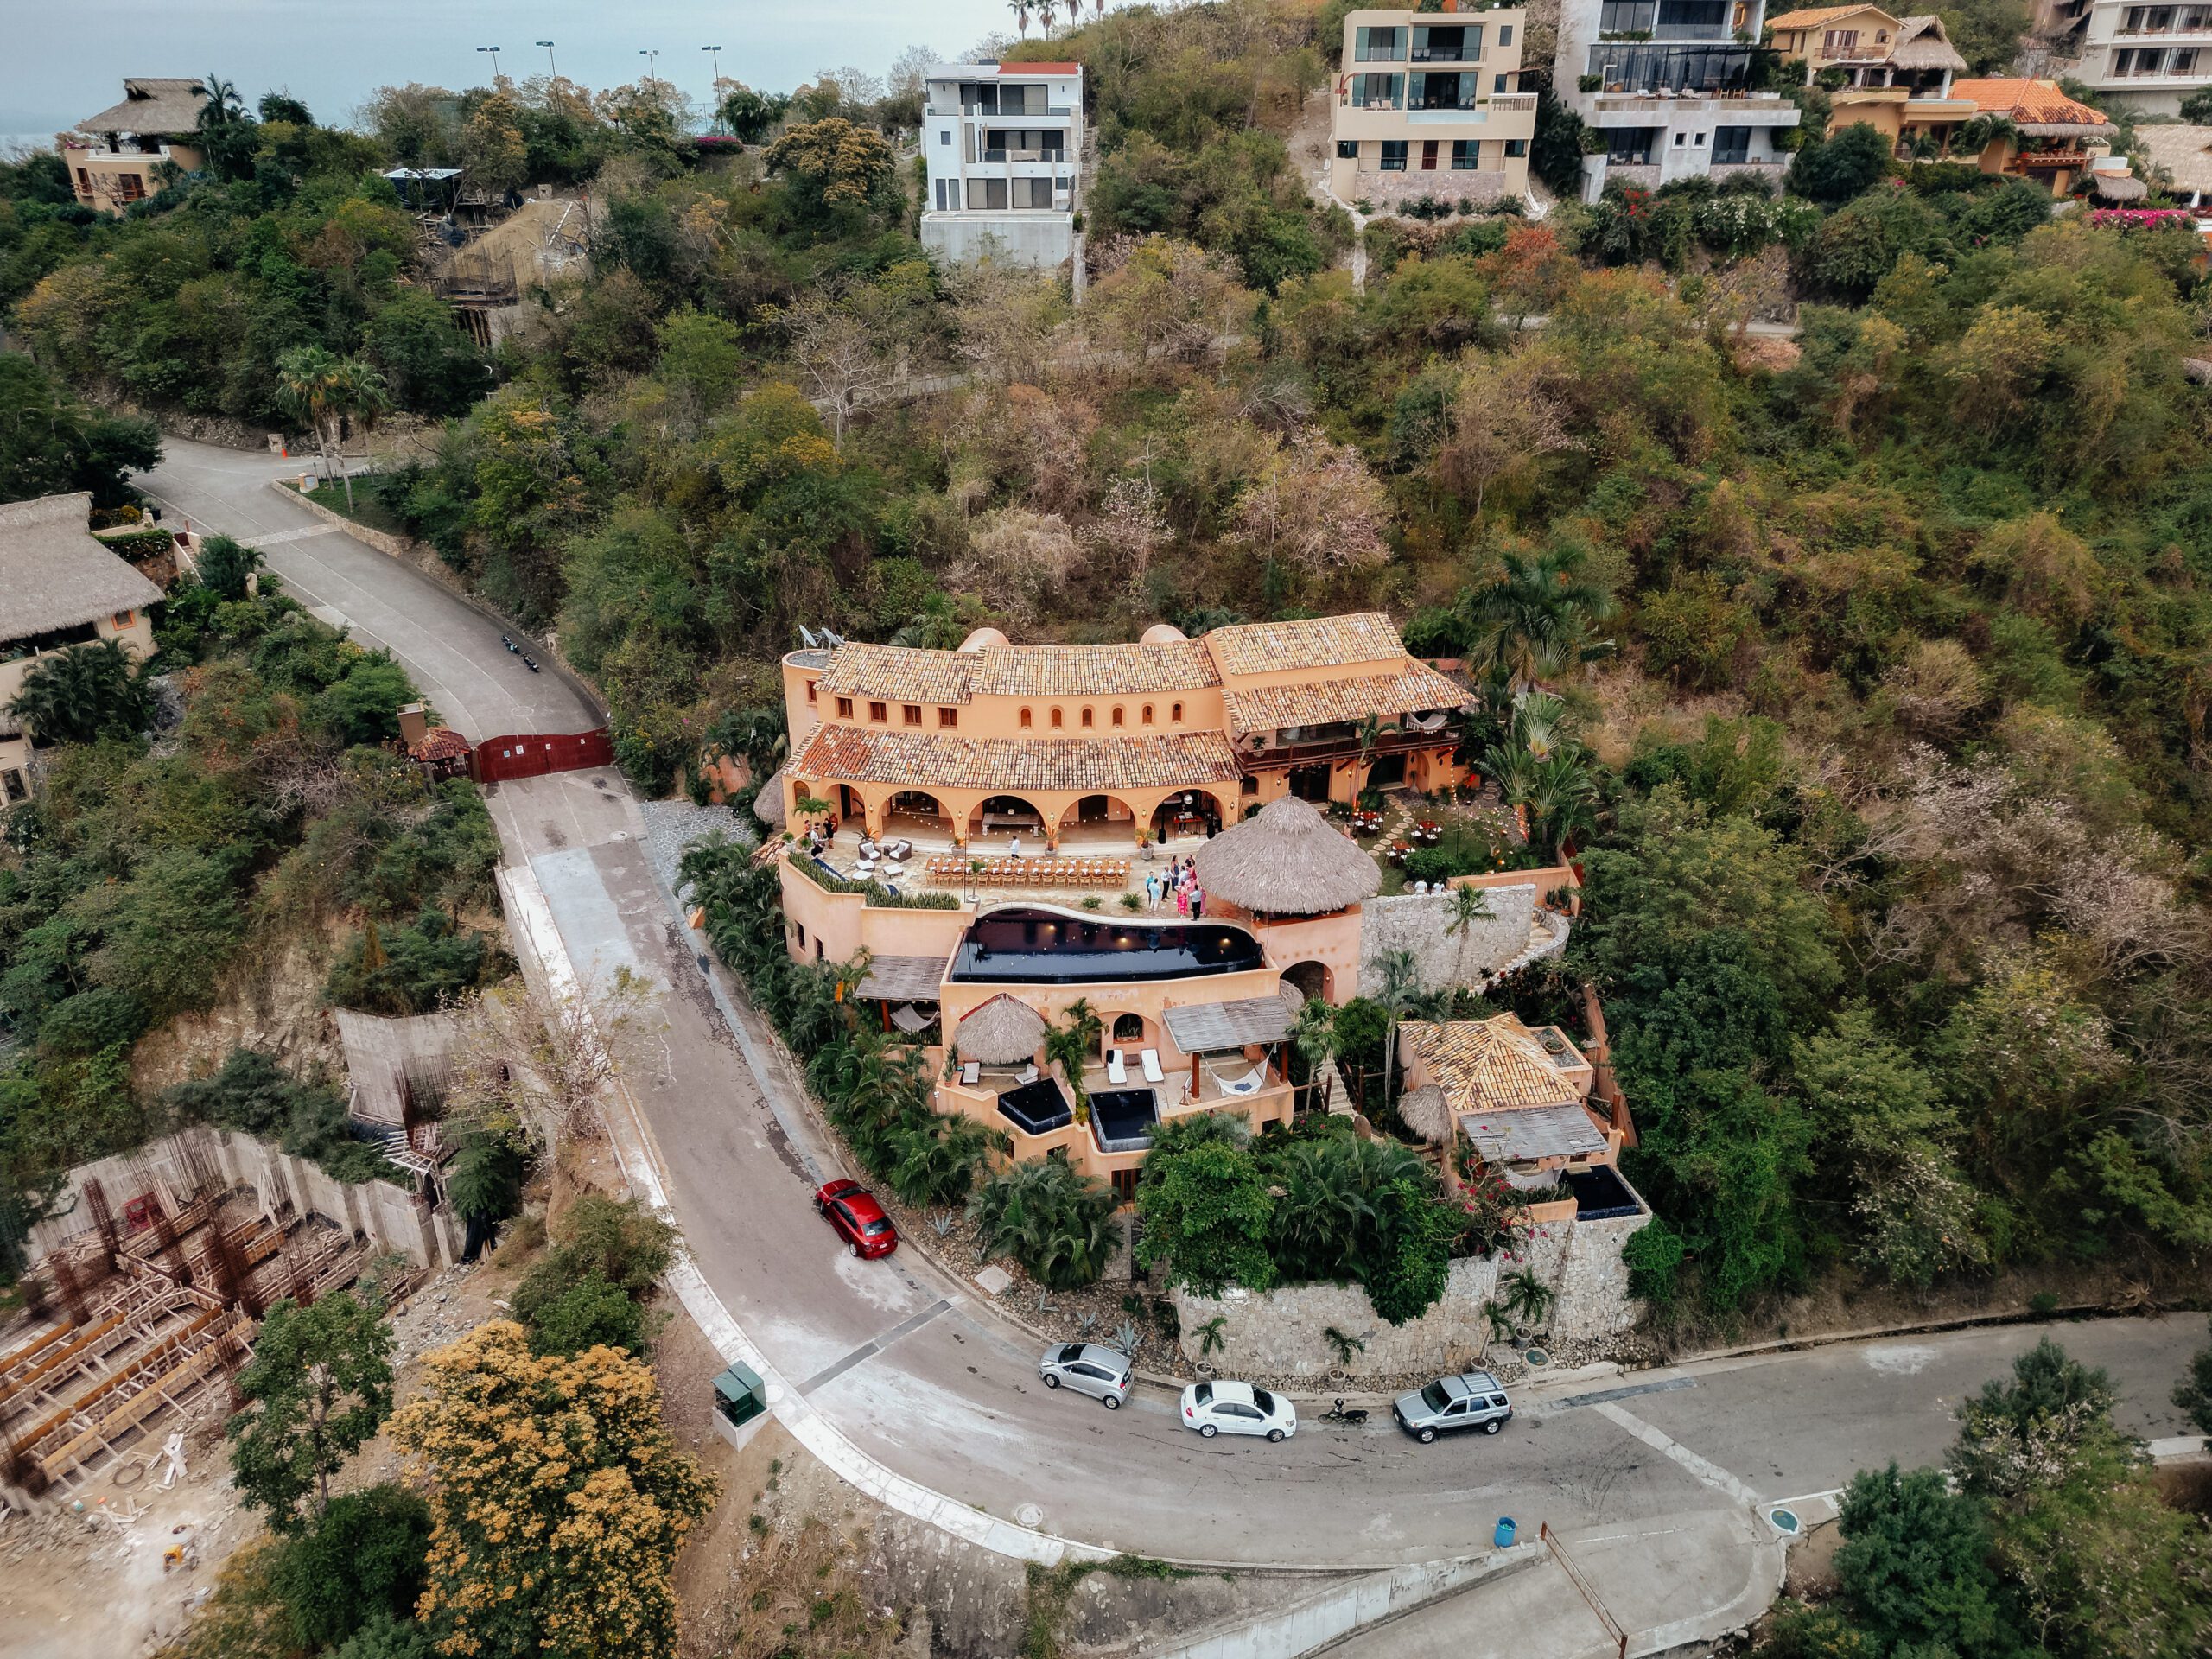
x: 1105, y: 1374
x: 1473, y: 1400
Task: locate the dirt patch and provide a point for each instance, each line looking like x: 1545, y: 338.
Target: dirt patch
x: 1810, y: 1575
x: 278, y: 1008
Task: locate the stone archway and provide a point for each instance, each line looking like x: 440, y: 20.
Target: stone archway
x: 1311, y: 978
x: 1009, y: 814
x: 1099, y: 817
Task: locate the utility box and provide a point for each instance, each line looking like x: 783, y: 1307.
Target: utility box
x: 739, y: 1395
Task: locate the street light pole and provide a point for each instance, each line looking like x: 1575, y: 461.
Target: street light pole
x: 652, y: 62
x: 494, y: 51
x: 552, y: 69
x: 715, y: 87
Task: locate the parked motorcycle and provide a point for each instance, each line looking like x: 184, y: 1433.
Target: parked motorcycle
x: 530, y: 663
x: 509, y: 644
x: 1337, y: 1413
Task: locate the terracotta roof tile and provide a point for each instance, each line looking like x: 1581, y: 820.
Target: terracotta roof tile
x: 897, y: 673
x: 861, y: 754
x: 2037, y: 103
x: 1488, y: 1065
x: 1415, y: 689
x: 1316, y: 642
x: 441, y: 743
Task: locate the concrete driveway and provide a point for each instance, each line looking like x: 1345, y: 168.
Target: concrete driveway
x: 1660, y: 1481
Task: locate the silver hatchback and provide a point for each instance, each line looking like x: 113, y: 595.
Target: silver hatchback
x: 1105, y: 1374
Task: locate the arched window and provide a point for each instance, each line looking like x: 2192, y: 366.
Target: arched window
x: 1026, y: 720
x: 1128, y: 1028
x: 1148, y: 713
x: 1117, y: 714
x: 1174, y: 714
x: 1086, y: 720
x: 1056, y: 722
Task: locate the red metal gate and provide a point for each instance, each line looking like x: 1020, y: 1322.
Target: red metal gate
x: 534, y: 754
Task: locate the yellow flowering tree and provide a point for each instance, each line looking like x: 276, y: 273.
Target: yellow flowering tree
x: 560, y: 1501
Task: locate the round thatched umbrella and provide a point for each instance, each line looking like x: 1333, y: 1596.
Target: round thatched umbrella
x: 1425, y: 1114
x: 768, y: 804
x: 1000, y: 1032
x: 1288, y: 860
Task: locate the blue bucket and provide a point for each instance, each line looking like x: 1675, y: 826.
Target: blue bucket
x: 1505, y: 1531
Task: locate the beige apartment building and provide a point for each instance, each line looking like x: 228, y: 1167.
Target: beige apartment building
x: 115, y: 157
x: 59, y: 587
x: 1430, y: 103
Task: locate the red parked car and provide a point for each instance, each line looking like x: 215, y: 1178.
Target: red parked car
x: 859, y: 1219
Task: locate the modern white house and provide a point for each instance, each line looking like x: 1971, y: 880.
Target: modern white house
x: 1004, y: 146
x: 1430, y: 103
x: 2149, y: 57
x: 1669, y: 83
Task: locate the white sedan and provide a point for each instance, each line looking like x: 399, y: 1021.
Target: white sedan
x: 1237, y: 1408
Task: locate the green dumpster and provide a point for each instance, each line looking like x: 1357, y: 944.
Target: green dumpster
x: 739, y: 1395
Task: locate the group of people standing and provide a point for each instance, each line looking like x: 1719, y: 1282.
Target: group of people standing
x: 1179, y: 881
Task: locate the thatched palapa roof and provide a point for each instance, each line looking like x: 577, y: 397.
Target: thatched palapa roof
x: 1922, y: 44
x: 1288, y: 860
x: 2120, y: 186
x: 1000, y: 1032
x: 1425, y: 1114
x: 768, y: 804
x: 2185, y: 152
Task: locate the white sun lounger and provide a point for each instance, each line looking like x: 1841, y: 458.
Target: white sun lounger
x: 1152, y: 1071
x: 971, y: 1074
x: 1117, y: 1071
x: 1028, y: 1074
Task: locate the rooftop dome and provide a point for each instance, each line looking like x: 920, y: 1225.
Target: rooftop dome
x: 984, y: 639
x: 1162, y: 633
x: 1288, y: 860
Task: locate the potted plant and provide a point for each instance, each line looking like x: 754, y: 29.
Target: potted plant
x: 1588, y: 83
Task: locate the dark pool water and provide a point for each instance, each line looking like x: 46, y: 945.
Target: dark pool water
x: 1036, y: 947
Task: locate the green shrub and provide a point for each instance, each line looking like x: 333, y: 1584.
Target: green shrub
x: 412, y: 969
x: 362, y: 1559
x: 252, y: 1093
x: 1053, y: 1221
x: 587, y: 1314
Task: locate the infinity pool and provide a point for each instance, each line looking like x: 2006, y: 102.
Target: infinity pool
x: 1020, y: 946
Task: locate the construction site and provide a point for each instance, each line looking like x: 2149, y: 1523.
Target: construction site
x: 134, y: 1324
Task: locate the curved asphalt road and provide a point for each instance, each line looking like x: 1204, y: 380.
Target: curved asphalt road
x: 1656, y: 1486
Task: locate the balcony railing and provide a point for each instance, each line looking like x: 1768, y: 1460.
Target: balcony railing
x: 1329, y: 749
x: 1057, y: 157
x: 2050, y: 160
x: 997, y: 115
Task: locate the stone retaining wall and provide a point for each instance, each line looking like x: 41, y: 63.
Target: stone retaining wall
x: 1284, y: 1332
x: 1388, y: 190
x: 1415, y: 922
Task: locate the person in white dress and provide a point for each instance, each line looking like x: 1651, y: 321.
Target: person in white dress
x: 1014, y: 847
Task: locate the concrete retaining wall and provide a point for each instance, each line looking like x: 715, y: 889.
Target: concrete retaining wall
x: 391, y: 1218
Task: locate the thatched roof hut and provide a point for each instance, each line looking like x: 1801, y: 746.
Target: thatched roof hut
x: 1288, y: 860
x: 1000, y: 1032
x: 768, y: 804
x: 1921, y: 43
x: 1425, y: 1114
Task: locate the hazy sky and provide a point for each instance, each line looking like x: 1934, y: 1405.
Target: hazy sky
x: 66, y: 59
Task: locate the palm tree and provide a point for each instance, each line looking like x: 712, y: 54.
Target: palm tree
x: 82, y: 695
x: 1020, y: 10
x: 1313, y: 1033
x: 937, y: 627
x: 1561, y: 798
x: 1536, y: 620
x: 1049, y: 1218
x: 1536, y: 722
x: 1048, y: 10
x: 1984, y: 131
x: 1401, y: 985
x: 1072, y: 1045
x: 223, y: 104
x: 323, y: 389
x: 1469, y: 906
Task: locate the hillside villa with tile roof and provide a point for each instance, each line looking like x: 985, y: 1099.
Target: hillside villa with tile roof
x: 114, y: 158
x: 981, y: 822
x: 59, y: 587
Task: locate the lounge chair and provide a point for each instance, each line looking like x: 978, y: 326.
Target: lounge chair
x: 1028, y: 1074
x: 971, y: 1074
x: 1117, y: 1071
x: 1152, y: 1071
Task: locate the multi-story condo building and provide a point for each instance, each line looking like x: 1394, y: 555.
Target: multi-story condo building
x: 2148, y: 57
x: 1669, y: 83
x: 59, y: 587
x: 981, y: 822
x: 1430, y: 103
x: 1004, y: 147
x: 114, y: 158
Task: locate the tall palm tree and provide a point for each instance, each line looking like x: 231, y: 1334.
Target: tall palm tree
x: 1982, y: 131
x: 223, y: 104
x: 1563, y: 799
x: 1313, y: 1033
x: 1469, y: 906
x: 1020, y: 9
x: 1400, y: 987
x: 1536, y: 620
x: 1048, y: 10
x: 323, y: 389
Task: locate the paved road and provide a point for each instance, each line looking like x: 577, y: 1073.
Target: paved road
x: 1658, y: 1486
x: 454, y: 652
